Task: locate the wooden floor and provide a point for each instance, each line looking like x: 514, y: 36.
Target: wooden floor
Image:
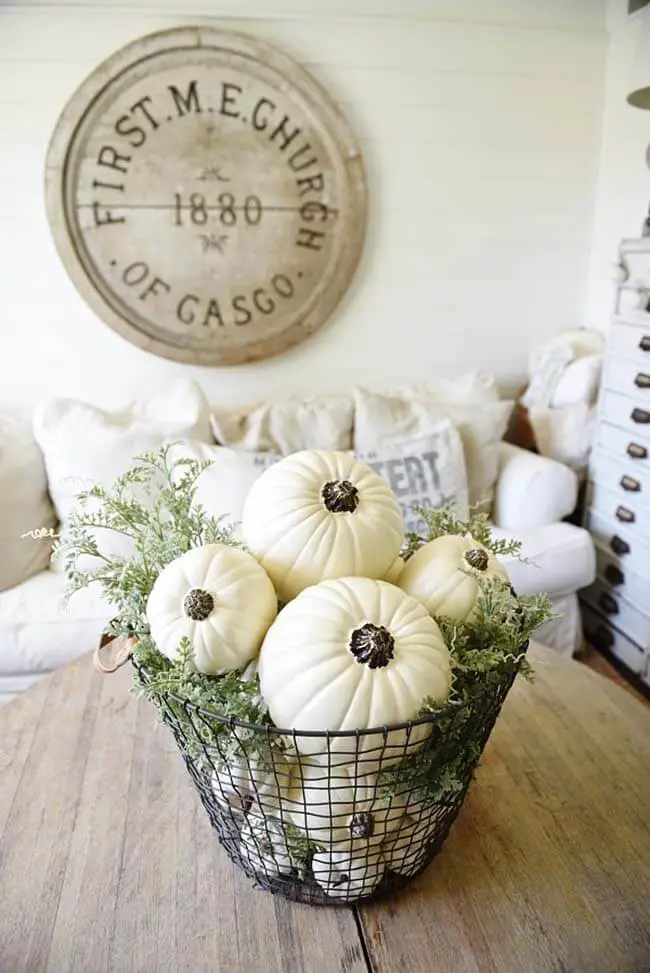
x: 108, y: 863
x: 592, y: 657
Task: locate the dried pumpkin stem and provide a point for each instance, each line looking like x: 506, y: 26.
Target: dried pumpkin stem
x: 198, y: 604
x: 477, y: 559
x: 372, y: 645
x: 362, y: 825
x: 340, y: 496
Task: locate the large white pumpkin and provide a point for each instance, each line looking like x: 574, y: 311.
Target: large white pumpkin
x: 321, y: 514
x: 220, y: 599
x: 444, y: 575
x: 351, y: 654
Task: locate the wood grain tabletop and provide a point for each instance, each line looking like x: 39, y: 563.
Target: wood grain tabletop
x: 108, y: 861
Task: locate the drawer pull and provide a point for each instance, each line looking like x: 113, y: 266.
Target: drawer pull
x: 619, y: 546
x: 644, y: 344
x: 642, y: 381
x: 614, y: 575
x: 602, y: 637
x: 608, y: 604
x: 625, y: 515
x: 630, y: 484
x: 636, y: 451
x: 641, y: 416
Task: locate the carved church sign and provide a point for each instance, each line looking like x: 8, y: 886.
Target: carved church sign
x: 206, y: 197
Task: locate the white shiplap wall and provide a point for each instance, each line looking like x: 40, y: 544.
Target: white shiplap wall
x: 480, y: 125
x: 623, y: 193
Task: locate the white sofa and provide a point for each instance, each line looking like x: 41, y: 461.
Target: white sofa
x: 532, y: 496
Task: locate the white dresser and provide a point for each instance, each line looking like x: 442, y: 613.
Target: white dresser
x: 616, y: 608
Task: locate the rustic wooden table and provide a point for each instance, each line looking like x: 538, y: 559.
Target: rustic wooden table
x: 108, y: 862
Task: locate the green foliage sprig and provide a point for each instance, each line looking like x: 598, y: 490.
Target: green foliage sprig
x: 486, y: 653
x: 153, y: 505
x: 214, y: 744
x: 440, y: 522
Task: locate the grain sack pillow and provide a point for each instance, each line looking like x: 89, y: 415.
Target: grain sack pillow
x: 287, y: 426
x: 381, y: 419
x: 84, y: 445
x: 428, y: 471
x: 26, y: 513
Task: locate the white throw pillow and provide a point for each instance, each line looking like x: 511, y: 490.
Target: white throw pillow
x: 578, y: 383
x: 381, y: 419
x: 26, y: 512
x: 223, y: 487
x: 428, y: 472
x: 84, y: 445
x: 287, y: 426
x: 565, y: 434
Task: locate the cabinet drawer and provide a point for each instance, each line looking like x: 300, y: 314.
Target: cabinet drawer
x: 627, y: 619
x: 627, y: 510
x: 602, y: 634
x: 622, y: 478
x: 631, y: 340
x: 632, y: 586
x: 629, y: 377
x: 628, y: 447
x: 625, y: 412
x: 618, y: 539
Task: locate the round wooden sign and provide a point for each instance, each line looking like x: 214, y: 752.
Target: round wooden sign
x: 206, y: 196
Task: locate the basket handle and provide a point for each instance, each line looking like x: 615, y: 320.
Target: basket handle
x: 113, y: 652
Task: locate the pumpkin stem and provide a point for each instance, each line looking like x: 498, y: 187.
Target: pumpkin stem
x: 372, y: 645
x: 362, y: 825
x: 477, y: 559
x: 198, y: 604
x: 340, y: 496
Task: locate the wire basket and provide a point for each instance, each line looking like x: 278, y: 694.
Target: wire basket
x: 334, y: 818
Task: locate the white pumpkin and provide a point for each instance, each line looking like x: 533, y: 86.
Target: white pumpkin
x: 321, y: 514
x: 336, y: 804
x: 444, y: 575
x: 245, y: 783
x: 263, y: 844
x: 352, y: 654
x: 349, y: 871
x: 220, y: 599
x: 394, y: 571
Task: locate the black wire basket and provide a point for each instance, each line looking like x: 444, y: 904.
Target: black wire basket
x: 335, y: 818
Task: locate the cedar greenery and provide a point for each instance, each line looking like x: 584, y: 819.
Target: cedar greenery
x: 154, y: 505
x: 483, y: 651
x: 440, y: 522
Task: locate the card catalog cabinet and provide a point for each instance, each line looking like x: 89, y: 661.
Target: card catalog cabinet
x: 616, y: 608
